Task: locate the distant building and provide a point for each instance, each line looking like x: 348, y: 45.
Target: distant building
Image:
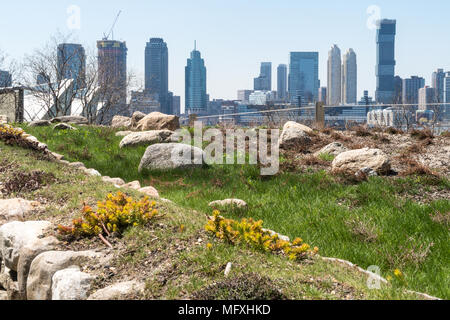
x: 157, y: 72
x: 398, y: 90
x: 244, y: 95
x: 196, y: 96
x: 427, y: 95
x: 112, y: 70
x: 437, y: 82
x: 385, y: 68
x: 365, y: 99
x: 5, y: 79
x: 264, y: 81
x: 71, y: 59
x: 260, y: 98
x: 282, y: 83
x: 41, y: 79
x: 410, y: 88
x: 349, y: 78
x: 334, y: 76
x: 322, y: 96
x: 303, y: 77
x: 144, y: 102
x: 176, y: 105
x: 447, y: 88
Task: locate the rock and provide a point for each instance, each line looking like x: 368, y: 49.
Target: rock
x: 294, y: 134
x: 136, y: 185
x: 63, y: 126
x: 40, y: 123
x: 146, y: 138
x: 92, y: 172
x: 273, y: 233
x: 334, y: 149
x: 26, y: 257
x: 137, y: 116
x: 71, y: 284
x: 171, y: 156
x: 114, y: 181
x: 3, y: 294
x: 121, y: 122
x: 70, y: 119
x: 354, y: 160
x: 15, y: 209
x: 234, y: 203
x: 57, y: 156
x: 3, y: 119
x: 123, y: 133
x: 159, y: 121
x: 45, y: 265
x: 77, y: 165
x: 150, y: 191
x: 16, y: 235
x: 119, y: 291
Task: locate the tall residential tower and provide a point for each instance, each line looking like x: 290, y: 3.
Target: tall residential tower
x: 349, y: 78
x: 157, y: 72
x: 385, y: 68
x: 195, y: 84
x: 282, y: 82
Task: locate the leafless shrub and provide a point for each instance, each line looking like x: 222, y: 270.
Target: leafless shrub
x: 422, y: 134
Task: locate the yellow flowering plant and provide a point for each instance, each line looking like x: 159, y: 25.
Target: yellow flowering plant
x: 251, y: 233
x: 114, y: 215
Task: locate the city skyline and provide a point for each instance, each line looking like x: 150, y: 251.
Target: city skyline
x: 231, y: 70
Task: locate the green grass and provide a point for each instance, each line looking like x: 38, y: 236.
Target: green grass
x: 371, y: 223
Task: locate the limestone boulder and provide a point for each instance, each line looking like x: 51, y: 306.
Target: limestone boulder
x: 70, y: 119
x: 119, y: 291
x: 114, y: 181
x: 159, y: 121
x: 121, y: 122
x: 229, y: 203
x: 333, y: 149
x: 355, y: 160
x: 15, y: 209
x: 137, y: 116
x: 146, y: 138
x: 293, y: 135
x: 71, y: 284
x: 45, y: 265
x: 136, y: 185
x: 16, y: 235
x: 26, y: 257
x: 150, y: 191
x: 172, y: 156
x: 92, y: 172
x: 40, y: 123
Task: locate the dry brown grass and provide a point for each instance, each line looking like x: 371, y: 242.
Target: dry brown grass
x: 441, y: 218
x: 361, y: 131
x: 412, y: 253
x: 362, y: 230
x: 416, y: 168
x: 311, y: 160
x: 422, y: 134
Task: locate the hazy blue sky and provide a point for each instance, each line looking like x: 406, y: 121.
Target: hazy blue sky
x: 234, y: 36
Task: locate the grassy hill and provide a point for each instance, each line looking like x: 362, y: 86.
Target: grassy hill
x: 376, y: 222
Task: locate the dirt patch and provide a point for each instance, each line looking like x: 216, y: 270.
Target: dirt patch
x: 250, y: 286
x: 28, y: 182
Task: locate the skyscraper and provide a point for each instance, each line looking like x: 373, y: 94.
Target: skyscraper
x: 195, y: 80
x: 385, y: 68
x: 349, y: 78
x: 437, y: 82
x: 264, y: 81
x: 282, y: 82
x: 303, y: 77
x: 447, y: 89
x: 71, y: 59
x: 411, y: 88
x: 112, y: 70
x: 157, y: 71
x: 334, y: 76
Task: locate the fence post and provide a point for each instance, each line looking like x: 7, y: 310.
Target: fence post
x: 320, y: 115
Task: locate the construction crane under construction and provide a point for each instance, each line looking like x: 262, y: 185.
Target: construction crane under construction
x: 111, y: 31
